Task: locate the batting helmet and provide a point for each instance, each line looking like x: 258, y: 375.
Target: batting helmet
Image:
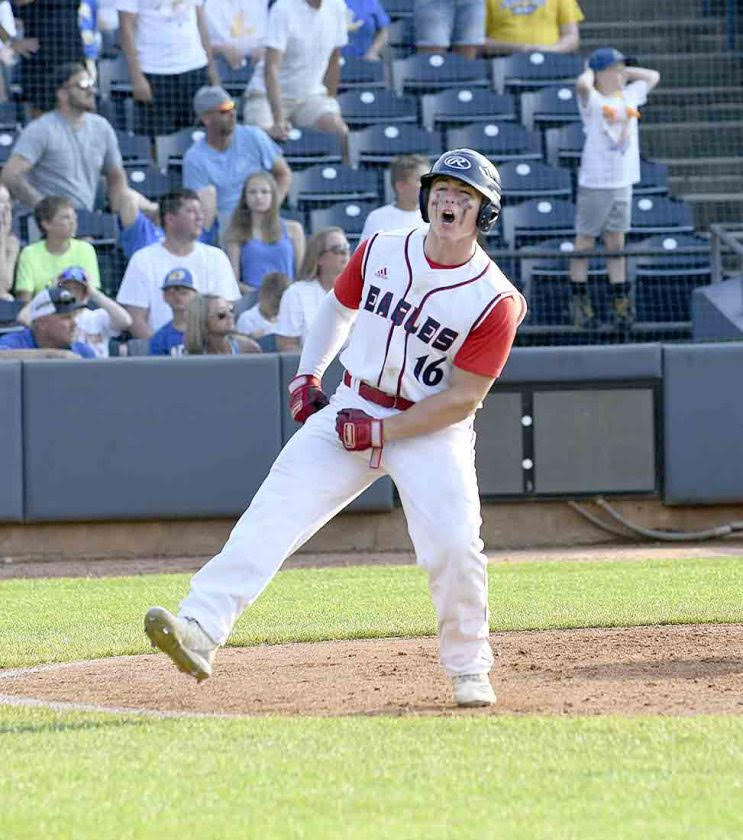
x: 474, y: 169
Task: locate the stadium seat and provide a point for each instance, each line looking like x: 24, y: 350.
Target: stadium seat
x: 426, y: 73
x: 170, y: 148
x: 522, y: 180
x: 658, y: 214
x: 100, y: 228
x: 9, y: 310
x: 364, y: 107
x: 537, y: 219
x: 549, y: 107
x: 378, y: 144
x: 347, y: 215
x: 534, y: 70
x: 326, y: 184
x: 399, y: 8
x: 7, y: 141
x: 113, y: 77
x: 653, y: 179
x: 119, y: 112
x: 499, y: 141
x: 459, y: 107
x: 151, y: 181
x: 235, y: 79
x: 564, y: 146
x: 401, y: 37
x: 135, y: 148
x: 9, y: 116
x: 306, y: 146
x: 358, y: 73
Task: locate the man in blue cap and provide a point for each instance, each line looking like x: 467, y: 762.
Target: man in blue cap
x: 610, y: 94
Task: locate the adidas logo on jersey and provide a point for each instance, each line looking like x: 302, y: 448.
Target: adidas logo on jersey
x: 381, y: 272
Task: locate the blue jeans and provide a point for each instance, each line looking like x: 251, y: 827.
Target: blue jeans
x: 445, y: 23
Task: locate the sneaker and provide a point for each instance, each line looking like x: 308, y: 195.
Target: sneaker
x: 581, y: 312
x: 183, y: 640
x: 473, y: 690
x: 621, y: 310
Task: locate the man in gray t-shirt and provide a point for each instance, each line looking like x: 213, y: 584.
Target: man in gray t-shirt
x: 65, y: 151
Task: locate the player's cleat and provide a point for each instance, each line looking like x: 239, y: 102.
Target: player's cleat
x: 183, y: 640
x: 621, y: 311
x: 581, y: 312
x: 473, y: 690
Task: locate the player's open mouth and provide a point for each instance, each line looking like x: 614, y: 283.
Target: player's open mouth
x: 447, y: 217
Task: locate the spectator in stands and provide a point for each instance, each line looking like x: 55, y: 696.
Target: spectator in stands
x: 54, y: 25
x: 210, y: 329
x: 169, y: 57
x: 405, y: 174
x: 444, y: 24
x: 258, y: 240
x: 11, y: 46
x: 52, y: 331
x: 297, y: 83
x: 40, y: 263
x: 9, y: 246
x: 327, y: 254
x: 237, y: 29
x: 260, y: 320
x: 140, y: 290
x: 368, y: 29
x: 609, y: 95
x: 550, y: 26
x: 229, y: 153
x: 178, y: 291
x: 65, y: 152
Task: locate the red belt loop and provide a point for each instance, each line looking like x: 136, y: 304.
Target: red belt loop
x: 378, y: 397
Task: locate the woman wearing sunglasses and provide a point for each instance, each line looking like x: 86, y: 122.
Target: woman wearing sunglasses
x: 210, y: 329
x: 327, y: 254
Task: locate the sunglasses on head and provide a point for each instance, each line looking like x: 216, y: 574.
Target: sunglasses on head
x: 338, y: 249
x: 226, y: 107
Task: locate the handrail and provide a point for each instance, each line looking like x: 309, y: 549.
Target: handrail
x: 727, y: 234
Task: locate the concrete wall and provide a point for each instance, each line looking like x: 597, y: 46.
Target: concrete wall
x: 11, y: 443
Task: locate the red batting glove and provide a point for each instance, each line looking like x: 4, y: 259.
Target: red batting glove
x: 305, y: 397
x: 358, y: 431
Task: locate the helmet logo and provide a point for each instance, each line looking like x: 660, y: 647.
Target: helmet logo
x: 457, y: 162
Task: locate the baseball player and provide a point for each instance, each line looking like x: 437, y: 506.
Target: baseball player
x: 430, y: 321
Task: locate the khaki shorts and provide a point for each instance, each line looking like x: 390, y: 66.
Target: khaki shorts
x: 599, y: 210
x: 300, y: 113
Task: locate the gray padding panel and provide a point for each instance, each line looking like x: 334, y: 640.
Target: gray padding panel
x: 148, y: 437
x: 717, y: 311
x: 380, y: 496
x: 583, y: 364
x: 594, y: 441
x: 11, y: 447
x: 499, y: 447
x: 703, y: 408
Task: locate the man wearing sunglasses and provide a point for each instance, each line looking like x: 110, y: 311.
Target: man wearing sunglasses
x: 229, y: 153
x: 65, y: 151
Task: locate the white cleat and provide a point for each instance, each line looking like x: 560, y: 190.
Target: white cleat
x: 183, y: 640
x: 473, y: 690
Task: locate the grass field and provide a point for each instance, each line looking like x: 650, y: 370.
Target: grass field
x: 82, y: 775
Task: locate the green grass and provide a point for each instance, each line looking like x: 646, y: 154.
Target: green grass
x: 78, y: 775
x: 65, y: 619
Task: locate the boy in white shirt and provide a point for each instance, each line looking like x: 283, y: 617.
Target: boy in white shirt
x: 405, y: 174
x: 609, y: 95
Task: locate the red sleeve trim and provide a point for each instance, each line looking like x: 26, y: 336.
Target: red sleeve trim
x: 485, y: 350
x: 350, y: 281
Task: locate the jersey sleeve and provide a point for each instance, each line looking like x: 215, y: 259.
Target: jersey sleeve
x: 350, y: 281
x: 486, y: 348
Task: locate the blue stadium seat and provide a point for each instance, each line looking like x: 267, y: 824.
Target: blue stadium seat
x: 540, y: 218
x: 653, y: 179
x: 356, y: 72
x: 530, y: 71
x: 468, y: 105
x: 378, y: 144
x: 9, y: 310
x: 348, y: 215
x: 522, y: 180
x: 564, y: 146
x: 170, y: 148
x: 135, y: 148
x: 306, y: 146
x: 119, y: 112
x: 318, y: 186
x: 401, y: 37
x: 549, y: 107
x: 113, y: 77
x: 399, y: 8
x: 658, y: 214
x: 235, y: 79
x: 499, y: 141
x: 7, y: 141
x: 151, y: 181
x: 426, y: 73
x: 364, y: 107
x: 100, y: 228
x: 9, y: 117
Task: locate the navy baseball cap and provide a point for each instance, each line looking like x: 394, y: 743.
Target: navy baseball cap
x: 605, y: 57
x: 54, y: 301
x: 178, y: 277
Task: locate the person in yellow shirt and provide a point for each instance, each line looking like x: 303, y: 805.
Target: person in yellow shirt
x: 527, y: 25
x: 41, y: 263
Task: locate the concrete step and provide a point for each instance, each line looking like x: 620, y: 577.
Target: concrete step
x: 696, y: 69
x: 592, y: 28
x: 701, y: 166
x: 714, y: 207
x: 698, y: 183
x: 684, y: 112
x: 667, y: 140
x: 656, y: 40
x: 666, y: 95
x: 603, y: 10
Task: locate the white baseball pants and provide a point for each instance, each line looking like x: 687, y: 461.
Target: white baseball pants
x: 314, y: 478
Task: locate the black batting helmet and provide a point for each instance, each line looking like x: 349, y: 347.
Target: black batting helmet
x: 474, y: 169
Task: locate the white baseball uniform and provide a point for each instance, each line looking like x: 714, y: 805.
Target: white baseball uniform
x: 414, y: 321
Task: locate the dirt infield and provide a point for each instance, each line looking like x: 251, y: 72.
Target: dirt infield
x: 673, y: 670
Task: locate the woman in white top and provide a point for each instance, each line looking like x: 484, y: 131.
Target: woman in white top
x: 327, y: 254
x: 210, y: 329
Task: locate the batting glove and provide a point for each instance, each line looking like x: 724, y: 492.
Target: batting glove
x: 358, y: 431
x: 305, y: 397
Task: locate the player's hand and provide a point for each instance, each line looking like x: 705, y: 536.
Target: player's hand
x: 358, y: 431
x: 305, y: 397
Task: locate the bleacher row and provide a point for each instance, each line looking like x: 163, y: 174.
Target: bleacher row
x: 519, y: 110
